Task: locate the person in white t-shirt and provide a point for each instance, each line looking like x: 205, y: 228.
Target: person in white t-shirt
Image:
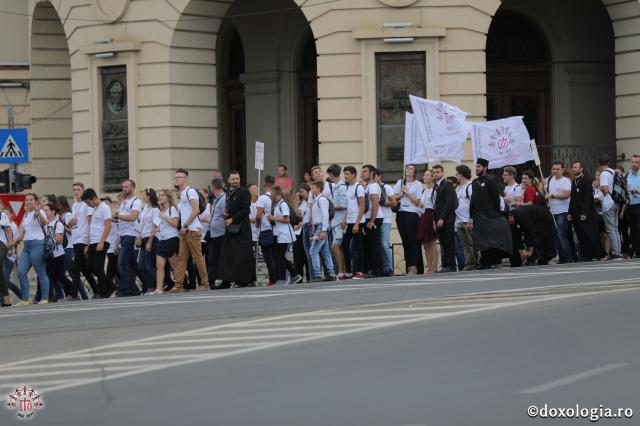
x: 463, y: 216
x: 55, y: 265
x: 385, y: 233
x: 558, y: 195
x: 98, y: 246
x: 266, y: 234
x: 284, y: 237
x: 79, y: 225
x: 127, y: 218
x: 190, y: 234
x: 609, y: 206
x: 6, y: 240
x: 513, y: 191
x: 149, y: 248
x: 409, y: 191
x: 11, y: 232
x: 373, y: 219
x: 255, y: 193
x: 32, y: 233
x: 354, y: 221
x: 112, y: 253
x: 166, y: 231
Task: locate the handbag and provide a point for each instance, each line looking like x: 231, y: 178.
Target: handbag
x: 234, y: 228
x: 265, y: 239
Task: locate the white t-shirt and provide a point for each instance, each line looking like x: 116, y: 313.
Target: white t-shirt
x: 426, y: 199
x: 4, y: 223
x: 464, y: 202
x: 264, y: 201
x: 57, y: 228
x: 32, y: 228
x: 386, y: 211
x: 606, y: 179
x: 354, y: 192
x: 415, y: 189
x: 184, y: 206
x: 147, y: 218
x: 373, y: 189
x: 253, y: 211
x: 100, y: 214
x: 556, y: 186
x: 513, y: 191
x: 166, y: 231
x: 127, y: 207
x: 282, y: 231
x: 80, y: 233
x: 112, y: 238
x: 67, y: 217
x: 15, y: 230
x: 304, y: 210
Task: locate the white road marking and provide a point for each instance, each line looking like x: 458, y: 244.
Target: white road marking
x: 105, y: 361
x: 572, y: 379
x: 222, y: 339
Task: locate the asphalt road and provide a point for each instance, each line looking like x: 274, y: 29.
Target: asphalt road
x: 476, y: 348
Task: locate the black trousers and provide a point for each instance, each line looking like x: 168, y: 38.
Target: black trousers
x: 58, y: 281
x: 516, y: 242
x: 112, y: 271
x: 354, y: 252
x: 447, y: 238
x: 268, y: 254
x: 300, y: 258
x: 96, y: 261
x: 634, y: 225
x: 81, y: 265
x: 282, y: 263
x: 214, y: 247
x: 373, y: 249
x: 408, y: 229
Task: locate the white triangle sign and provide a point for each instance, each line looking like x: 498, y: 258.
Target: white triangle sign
x: 16, y: 206
x: 10, y: 149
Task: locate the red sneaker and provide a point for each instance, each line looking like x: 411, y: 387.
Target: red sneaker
x: 358, y: 276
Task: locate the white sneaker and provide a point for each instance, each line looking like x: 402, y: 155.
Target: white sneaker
x: 295, y: 280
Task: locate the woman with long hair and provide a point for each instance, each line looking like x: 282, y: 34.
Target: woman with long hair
x: 426, y: 229
x: 299, y: 253
x: 283, y: 232
x: 166, y: 231
x: 55, y: 263
x: 149, y: 248
x: 32, y: 234
x: 409, y: 193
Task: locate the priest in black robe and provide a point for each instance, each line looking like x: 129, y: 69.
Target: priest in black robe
x: 537, y: 233
x: 237, y: 262
x: 582, y: 213
x: 491, y: 231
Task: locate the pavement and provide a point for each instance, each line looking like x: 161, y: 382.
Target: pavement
x: 474, y: 348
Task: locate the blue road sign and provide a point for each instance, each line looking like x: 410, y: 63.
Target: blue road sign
x: 14, y: 145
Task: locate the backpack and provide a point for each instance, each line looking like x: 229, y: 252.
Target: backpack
x: 332, y: 208
x: 367, y: 202
x: 293, y: 217
x: 396, y: 208
x: 202, y: 203
x: 619, y: 192
x: 50, y: 242
x: 383, y: 195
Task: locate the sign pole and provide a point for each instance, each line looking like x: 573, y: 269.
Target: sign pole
x: 11, y: 114
x: 259, y: 165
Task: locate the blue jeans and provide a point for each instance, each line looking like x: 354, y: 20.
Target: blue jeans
x: 318, y: 247
x: 8, y: 268
x: 562, y: 238
x: 460, y: 258
x: 147, y: 264
x: 306, y: 242
x: 127, y: 263
x: 33, y: 255
x: 387, y: 254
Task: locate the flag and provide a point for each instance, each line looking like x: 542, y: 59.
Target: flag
x: 438, y: 122
x: 413, y: 147
x: 449, y: 152
x: 503, y: 142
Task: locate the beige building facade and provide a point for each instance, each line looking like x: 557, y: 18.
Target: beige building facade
x: 138, y: 88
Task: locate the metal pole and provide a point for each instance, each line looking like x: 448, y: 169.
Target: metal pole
x: 257, y: 242
x: 11, y: 115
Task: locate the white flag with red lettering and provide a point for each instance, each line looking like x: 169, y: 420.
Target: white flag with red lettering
x: 503, y: 142
x: 413, y: 146
x: 438, y: 122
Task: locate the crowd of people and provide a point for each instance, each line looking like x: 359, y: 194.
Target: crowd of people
x: 338, y: 226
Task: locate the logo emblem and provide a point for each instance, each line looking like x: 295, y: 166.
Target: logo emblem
x: 502, y: 138
x: 25, y: 400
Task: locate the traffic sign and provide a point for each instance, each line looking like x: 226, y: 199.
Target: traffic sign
x: 15, y: 204
x: 14, y: 145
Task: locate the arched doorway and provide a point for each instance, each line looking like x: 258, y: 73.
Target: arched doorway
x: 267, y: 75
x: 51, y: 128
x: 556, y: 68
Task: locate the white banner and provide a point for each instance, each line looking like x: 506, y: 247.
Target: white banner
x: 259, y: 155
x: 413, y: 147
x: 503, y: 142
x: 446, y: 152
x: 438, y: 122
x: 536, y: 154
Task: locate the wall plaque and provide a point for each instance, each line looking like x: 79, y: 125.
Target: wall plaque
x: 115, y: 127
x: 398, y: 75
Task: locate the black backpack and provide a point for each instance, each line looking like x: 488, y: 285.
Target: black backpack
x: 202, y: 203
x: 367, y: 202
x: 293, y: 217
x: 332, y: 208
x: 619, y: 193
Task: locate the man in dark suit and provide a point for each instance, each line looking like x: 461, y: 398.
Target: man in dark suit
x: 445, y: 201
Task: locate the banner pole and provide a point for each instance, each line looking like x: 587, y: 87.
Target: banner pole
x: 255, y: 224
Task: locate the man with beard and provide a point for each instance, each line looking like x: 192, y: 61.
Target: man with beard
x: 582, y: 212
x: 491, y: 231
x: 536, y: 228
x: 237, y: 263
x: 444, y: 201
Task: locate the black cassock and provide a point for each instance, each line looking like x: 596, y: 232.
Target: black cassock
x: 237, y: 263
x: 588, y: 231
x: 538, y: 230
x: 491, y: 230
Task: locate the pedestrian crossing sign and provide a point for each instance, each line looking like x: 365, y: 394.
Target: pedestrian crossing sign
x: 14, y: 145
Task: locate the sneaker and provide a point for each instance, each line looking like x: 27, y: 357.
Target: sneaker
x: 44, y: 302
x: 271, y: 283
x: 296, y: 279
x: 176, y: 290
x: 343, y: 277
x: 358, y: 276
x: 329, y: 278
x: 615, y: 257
x: 22, y: 303
x: 153, y: 293
x: 203, y: 288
